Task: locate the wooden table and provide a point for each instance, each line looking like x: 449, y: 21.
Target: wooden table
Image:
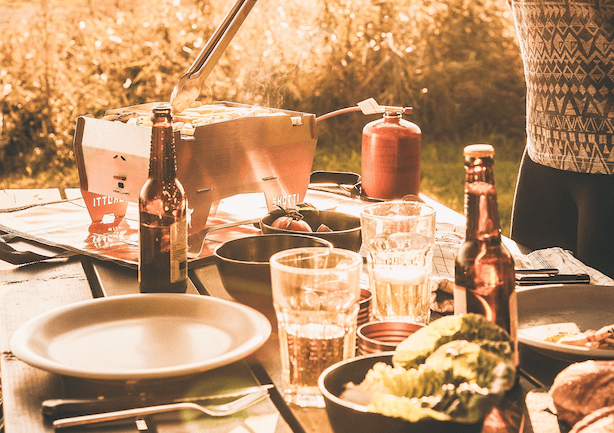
x: 29, y: 290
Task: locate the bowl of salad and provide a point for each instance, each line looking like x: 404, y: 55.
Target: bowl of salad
x: 446, y: 377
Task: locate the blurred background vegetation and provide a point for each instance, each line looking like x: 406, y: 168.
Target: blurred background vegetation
x: 455, y: 61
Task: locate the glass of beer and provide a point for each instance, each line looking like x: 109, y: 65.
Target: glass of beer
x: 398, y: 237
x: 316, y: 296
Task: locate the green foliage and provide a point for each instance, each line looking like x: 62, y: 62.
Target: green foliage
x: 455, y: 61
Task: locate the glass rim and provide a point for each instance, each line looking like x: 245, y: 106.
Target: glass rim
x: 356, y: 259
x: 430, y: 210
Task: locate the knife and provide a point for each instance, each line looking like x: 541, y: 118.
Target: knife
x: 547, y: 271
x: 58, y: 408
x: 532, y: 280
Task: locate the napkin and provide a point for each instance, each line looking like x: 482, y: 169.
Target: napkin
x: 566, y: 263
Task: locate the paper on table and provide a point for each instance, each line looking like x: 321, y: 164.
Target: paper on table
x: 66, y: 224
x: 542, y: 416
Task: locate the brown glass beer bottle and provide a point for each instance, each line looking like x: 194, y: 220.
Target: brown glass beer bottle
x: 163, y: 230
x: 484, y: 271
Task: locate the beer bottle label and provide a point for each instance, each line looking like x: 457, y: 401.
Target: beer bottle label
x: 179, y: 251
x: 460, y: 299
x: 514, y: 326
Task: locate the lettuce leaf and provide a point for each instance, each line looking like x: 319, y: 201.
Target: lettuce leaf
x: 416, y: 382
x: 465, y: 403
x: 411, y: 409
x: 414, y: 350
x: 486, y: 364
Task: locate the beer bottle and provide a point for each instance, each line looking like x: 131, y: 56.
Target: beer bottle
x: 163, y: 230
x: 484, y: 270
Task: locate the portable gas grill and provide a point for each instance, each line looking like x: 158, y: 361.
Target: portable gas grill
x: 271, y: 154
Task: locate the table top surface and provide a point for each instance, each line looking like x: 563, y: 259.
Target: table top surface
x: 29, y: 290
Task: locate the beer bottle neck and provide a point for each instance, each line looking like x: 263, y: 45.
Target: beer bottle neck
x: 162, y: 159
x: 481, y: 201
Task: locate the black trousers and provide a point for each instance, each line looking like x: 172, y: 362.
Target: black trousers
x: 558, y: 208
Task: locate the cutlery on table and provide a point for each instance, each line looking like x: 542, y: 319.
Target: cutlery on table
x: 531, y: 280
x: 538, y: 271
x: 547, y: 275
x: 57, y: 408
x: 214, y: 411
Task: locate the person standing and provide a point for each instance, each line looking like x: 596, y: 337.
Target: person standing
x: 565, y: 189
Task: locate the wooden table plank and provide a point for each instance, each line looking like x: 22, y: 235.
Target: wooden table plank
x: 40, y: 287
x: 24, y: 388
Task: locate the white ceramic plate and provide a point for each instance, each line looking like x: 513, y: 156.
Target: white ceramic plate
x: 544, y: 311
x: 140, y: 337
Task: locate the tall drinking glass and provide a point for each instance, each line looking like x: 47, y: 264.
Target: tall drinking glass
x: 399, y: 237
x: 316, y: 295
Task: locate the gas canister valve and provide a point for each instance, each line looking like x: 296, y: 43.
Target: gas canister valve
x: 368, y: 107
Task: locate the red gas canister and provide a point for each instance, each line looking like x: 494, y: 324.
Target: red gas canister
x: 390, y: 160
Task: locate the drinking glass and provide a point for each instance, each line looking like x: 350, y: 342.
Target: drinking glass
x: 398, y: 237
x: 316, y: 297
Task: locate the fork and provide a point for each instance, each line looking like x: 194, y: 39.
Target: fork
x: 215, y: 411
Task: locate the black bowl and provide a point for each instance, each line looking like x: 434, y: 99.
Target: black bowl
x: 348, y: 417
x: 244, y: 268
x: 345, y: 228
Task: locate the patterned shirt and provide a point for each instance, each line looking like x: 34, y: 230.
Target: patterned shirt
x: 568, y: 55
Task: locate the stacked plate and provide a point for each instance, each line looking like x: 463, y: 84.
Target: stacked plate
x: 375, y: 337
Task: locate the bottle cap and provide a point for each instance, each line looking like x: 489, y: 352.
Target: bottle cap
x: 479, y: 151
x: 161, y: 108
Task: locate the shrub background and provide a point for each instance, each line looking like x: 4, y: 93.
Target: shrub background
x: 456, y: 62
